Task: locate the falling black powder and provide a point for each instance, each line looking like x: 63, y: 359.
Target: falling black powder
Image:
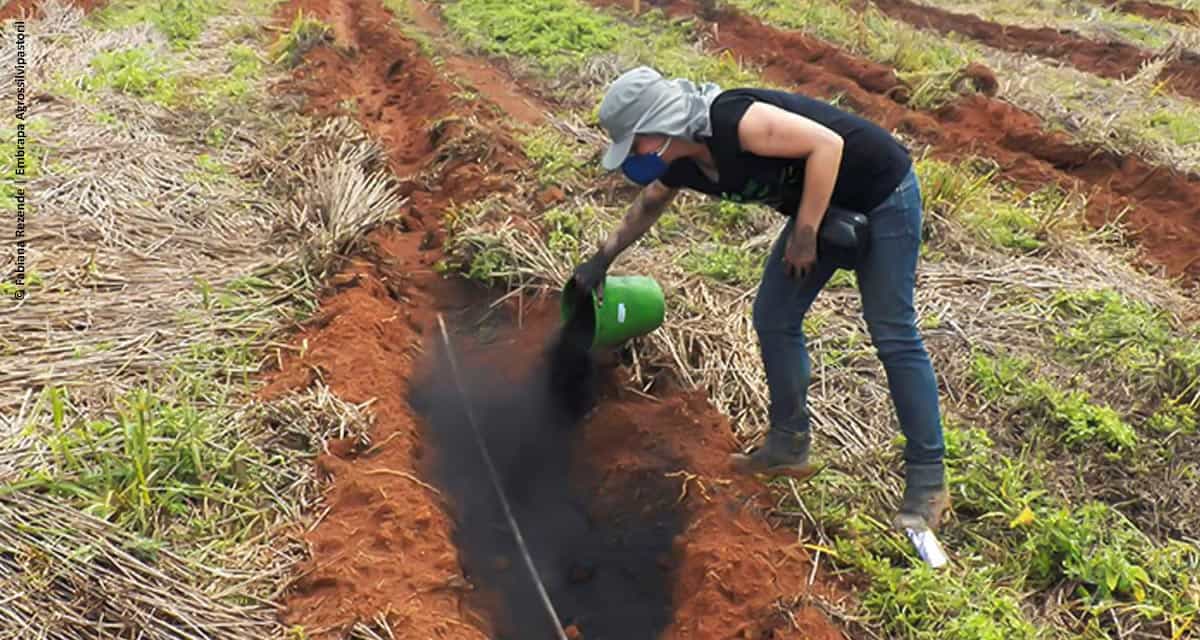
x: 602, y: 566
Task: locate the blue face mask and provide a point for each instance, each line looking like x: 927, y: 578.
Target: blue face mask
x: 645, y: 168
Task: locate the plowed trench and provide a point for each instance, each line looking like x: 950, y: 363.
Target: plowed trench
x: 1156, y: 11
x: 634, y: 521
x: 605, y: 562
x: 1110, y: 59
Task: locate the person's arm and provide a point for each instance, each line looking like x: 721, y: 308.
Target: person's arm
x: 767, y: 130
x: 641, y: 215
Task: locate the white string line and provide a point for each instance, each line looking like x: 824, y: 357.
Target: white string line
x: 495, y: 478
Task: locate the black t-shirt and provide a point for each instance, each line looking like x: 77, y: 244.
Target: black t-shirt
x: 873, y: 161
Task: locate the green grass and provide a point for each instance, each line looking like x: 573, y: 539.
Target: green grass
x: 1070, y: 413
x: 565, y: 228
x: 723, y: 262
x: 236, y: 83
x: 1182, y: 129
x: 1128, y: 338
x: 726, y: 216
x: 558, y: 160
x: 304, y: 33
x: 968, y: 194
x: 139, y: 71
x: 930, y: 66
x: 557, y: 33
x: 560, y: 36
x: 181, y: 21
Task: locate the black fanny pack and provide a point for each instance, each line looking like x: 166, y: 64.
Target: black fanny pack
x: 843, y: 238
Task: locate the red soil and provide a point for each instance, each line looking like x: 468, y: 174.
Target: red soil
x: 384, y: 546
x: 1164, y: 205
x: 32, y: 8
x: 1110, y: 59
x: 730, y: 566
x: 1155, y: 11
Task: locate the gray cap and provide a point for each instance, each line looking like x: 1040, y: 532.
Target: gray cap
x: 641, y: 100
x: 626, y: 102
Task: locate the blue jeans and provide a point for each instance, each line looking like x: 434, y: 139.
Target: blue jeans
x: 886, y: 281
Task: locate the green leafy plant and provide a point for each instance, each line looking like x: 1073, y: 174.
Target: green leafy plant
x: 139, y: 71
x: 964, y: 193
x: 555, y: 156
x: 1173, y: 416
x: 1092, y: 544
x: 727, y: 263
x: 1130, y: 337
x: 1008, y: 380
x: 555, y: 33
x: 303, y: 34
x: 564, y: 229
x: 181, y: 21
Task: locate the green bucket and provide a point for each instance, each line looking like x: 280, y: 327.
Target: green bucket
x: 633, y: 306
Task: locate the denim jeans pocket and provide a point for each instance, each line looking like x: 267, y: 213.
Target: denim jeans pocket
x: 899, y: 215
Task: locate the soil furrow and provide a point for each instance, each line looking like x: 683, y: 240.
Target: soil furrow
x: 1155, y: 11
x: 1111, y: 59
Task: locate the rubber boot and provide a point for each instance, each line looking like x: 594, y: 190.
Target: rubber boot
x: 925, y: 497
x: 782, y: 454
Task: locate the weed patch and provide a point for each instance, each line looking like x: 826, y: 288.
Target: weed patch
x: 931, y: 67
x: 237, y: 83
x: 557, y: 158
x: 1129, y: 337
x: 555, y: 33
x: 561, y: 36
x: 1182, y: 129
x: 181, y: 21
x: 726, y: 263
x: 302, y: 35
x: 139, y: 71
x: 1072, y: 414
x: 966, y: 193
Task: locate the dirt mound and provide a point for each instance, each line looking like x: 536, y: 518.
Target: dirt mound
x: 1155, y: 11
x: 32, y: 8
x: 1163, y: 205
x: 1111, y: 59
x: 384, y: 546
x: 648, y: 487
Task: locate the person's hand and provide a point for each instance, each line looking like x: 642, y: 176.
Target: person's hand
x: 801, y: 252
x: 590, y: 275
